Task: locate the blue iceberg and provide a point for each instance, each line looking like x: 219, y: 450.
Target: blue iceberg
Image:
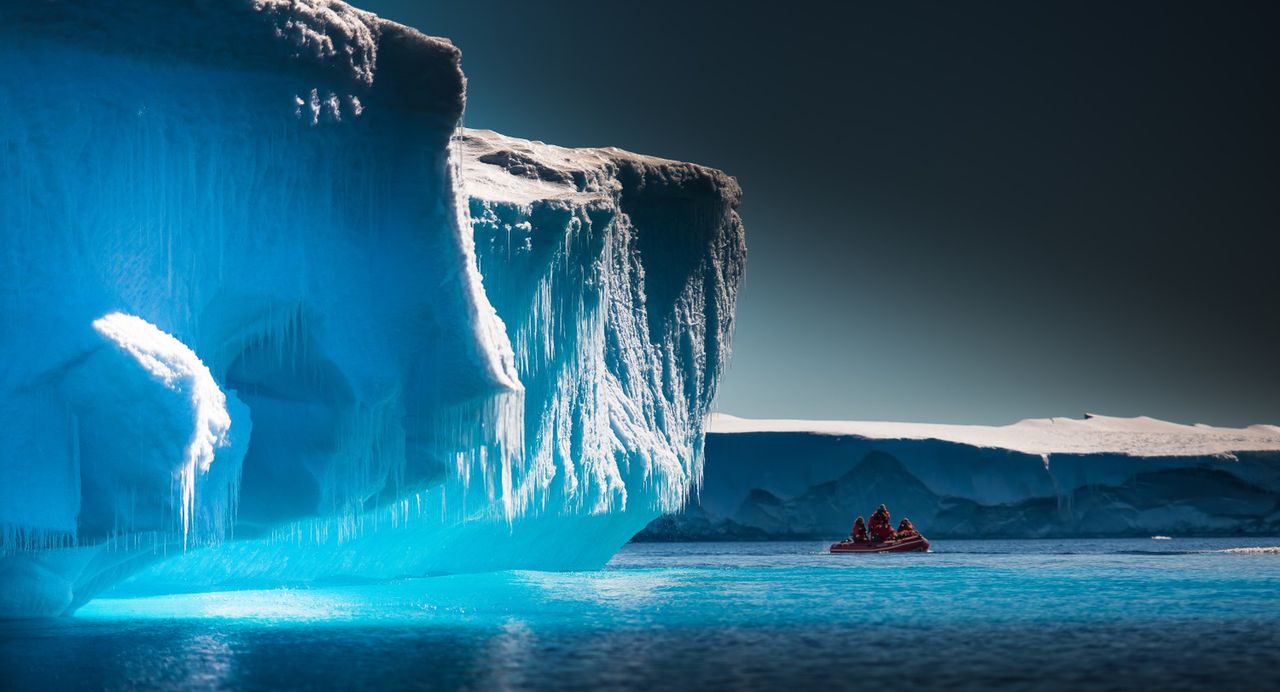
x: 272, y: 317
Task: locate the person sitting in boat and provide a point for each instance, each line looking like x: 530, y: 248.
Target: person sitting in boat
x: 881, y: 529
x: 907, y: 530
x: 859, y: 532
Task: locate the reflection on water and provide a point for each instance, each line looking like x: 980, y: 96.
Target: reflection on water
x: 510, y: 654
x: 1038, y: 614
x: 207, y: 663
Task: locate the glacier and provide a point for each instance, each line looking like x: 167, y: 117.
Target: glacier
x: 1038, y: 478
x: 273, y: 317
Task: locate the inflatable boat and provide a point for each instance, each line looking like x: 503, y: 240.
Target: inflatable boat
x: 914, y: 544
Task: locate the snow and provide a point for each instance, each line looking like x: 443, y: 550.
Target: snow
x: 1093, y: 434
x: 272, y: 317
x: 498, y: 168
x: 326, y: 32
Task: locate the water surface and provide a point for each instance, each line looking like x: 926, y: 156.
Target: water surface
x: 1112, y: 614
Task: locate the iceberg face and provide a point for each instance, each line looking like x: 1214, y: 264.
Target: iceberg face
x: 271, y: 318
x: 1099, y: 476
x: 616, y: 275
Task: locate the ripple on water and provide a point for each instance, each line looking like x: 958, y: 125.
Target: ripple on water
x: 975, y: 614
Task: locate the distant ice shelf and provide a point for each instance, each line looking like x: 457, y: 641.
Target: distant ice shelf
x: 271, y: 316
x: 1093, y: 434
x: 1095, y: 476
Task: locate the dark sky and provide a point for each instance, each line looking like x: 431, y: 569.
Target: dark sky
x: 956, y: 212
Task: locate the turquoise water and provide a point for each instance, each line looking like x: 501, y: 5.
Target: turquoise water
x: 1109, y: 614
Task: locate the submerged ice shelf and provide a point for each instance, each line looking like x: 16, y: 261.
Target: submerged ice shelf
x: 1096, y: 476
x: 271, y: 317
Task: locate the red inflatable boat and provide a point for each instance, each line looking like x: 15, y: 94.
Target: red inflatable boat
x: 915, y: 544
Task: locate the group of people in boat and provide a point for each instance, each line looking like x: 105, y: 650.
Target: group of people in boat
x: 880, y: 530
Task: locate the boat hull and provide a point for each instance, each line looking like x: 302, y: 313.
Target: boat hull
x: 917, y: 544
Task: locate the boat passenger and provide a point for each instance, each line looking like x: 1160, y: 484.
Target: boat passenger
x: 881, y: 529
x: 859, y: 532
x: 907, y: 530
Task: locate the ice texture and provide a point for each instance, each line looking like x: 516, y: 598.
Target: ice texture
x: 616, y: 275
x: 271, y: 317
x: 202, y: 406
x: 1096, y: 476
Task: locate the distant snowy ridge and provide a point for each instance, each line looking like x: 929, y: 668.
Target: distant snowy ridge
x: 1097, y: 476
x: 1093, y: 434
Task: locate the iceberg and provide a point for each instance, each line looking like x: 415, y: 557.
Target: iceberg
x: 272, y: 317
x: 1056, y: 477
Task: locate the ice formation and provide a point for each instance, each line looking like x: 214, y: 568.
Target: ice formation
x: 202, y: 406
x: 1096, y: 476
x: 271, y: 317
x: 616, y: 275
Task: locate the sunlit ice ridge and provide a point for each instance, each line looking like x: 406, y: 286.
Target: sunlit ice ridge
x: 272, y: 317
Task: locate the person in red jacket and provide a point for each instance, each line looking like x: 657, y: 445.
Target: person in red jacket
x: 907, y: 530
x: 881, y: 529
x: 859, y: 532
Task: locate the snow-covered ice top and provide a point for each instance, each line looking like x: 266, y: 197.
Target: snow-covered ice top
x: 333, y: 49
x: 323, y: 35
x: 1140, y: 437
x: 499, y: 168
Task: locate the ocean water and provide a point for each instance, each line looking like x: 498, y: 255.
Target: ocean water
x: 1069, y: 614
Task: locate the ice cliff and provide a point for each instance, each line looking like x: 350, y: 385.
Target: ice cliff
x: 271, y: 317
x: 1097, y: 476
